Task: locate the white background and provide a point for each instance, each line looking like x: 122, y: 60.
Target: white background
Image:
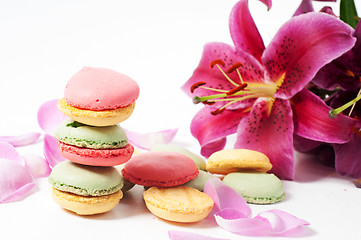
x: 158, y: 43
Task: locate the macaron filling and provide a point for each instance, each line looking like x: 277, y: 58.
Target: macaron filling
x: 77, y: 134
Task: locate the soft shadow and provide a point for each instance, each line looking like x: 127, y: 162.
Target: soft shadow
x: 309, y: 169
x: 131, y: 204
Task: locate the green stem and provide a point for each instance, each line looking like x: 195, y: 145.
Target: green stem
x: 334, y: 112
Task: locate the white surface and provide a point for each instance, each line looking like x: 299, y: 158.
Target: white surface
x: 159, y: 44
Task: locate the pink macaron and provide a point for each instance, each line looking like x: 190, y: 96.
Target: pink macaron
x: 160, y: 169
x: 99, y: 97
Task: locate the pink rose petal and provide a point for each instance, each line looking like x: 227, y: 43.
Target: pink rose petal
x: 37, y: 165
x: 147, y: 140
x: 21, y: 140
x: 15, y: 180
x: 51, y: 151
x: 232, y: 215
x: 181, y: 235
x: 49, y: 117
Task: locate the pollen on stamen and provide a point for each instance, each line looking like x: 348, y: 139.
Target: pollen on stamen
x: 217, y: 61
x: 208, y: 103
x: 197, y: 85
x: 236, y: 89
x: 234, y: 67
x: 218, y: 111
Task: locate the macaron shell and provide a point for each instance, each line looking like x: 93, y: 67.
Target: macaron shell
x: 237, y: 160
x: 86, y: 205
x: 100, y: 89
x: 256, y: 187
x: 85, y: 180
x: 162, y: 169
x: 178, y: 204
x: 198, y: 160
x: 96, y: 157
x: 77, y: 134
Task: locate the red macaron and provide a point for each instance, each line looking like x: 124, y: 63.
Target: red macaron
x: 160, y: 169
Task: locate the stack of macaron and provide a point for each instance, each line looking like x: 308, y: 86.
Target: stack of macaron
x: 165, y: 172
x: 245, y: 171
x: 96, y: 100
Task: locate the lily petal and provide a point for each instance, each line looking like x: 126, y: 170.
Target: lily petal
x: 250, y: 69
x: 312, y: 121
x: 348, y: 157
x: 181, y: 235
x: 345, y: 71
x: 305, y: 7
x: 212, y: 138
x: 15, y: 180
x: 51, y: 151
x: 301, y: 47
x: 148, y: 140
x: 21, y: 140
x: 268, y: 3
x: 225, y: 197
x: 49, y: 117
x: 244, y: 32
x: 303, y: 144
x: 269, y: 124
x: 37, y: 165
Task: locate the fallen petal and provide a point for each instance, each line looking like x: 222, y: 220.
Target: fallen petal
x: 282, y: 222
x: 21, y: 140
x: 37, y: 165
x: 7, y: 151
x: 15, y: 180
x: 241, y: 224
x: 225, y: 197
x: 51, y: 151
x: 49, y: 117
x: 148, y: 140
x: 181, y: 235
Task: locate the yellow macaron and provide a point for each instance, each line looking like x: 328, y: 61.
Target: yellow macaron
x: 236, y: 160
x: 178, y: 204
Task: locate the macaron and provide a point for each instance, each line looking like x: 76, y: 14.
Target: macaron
x: 198, y: 160
x: 199, y: 182
x: 160, y: 169
x: 94, y: 146
x: 256, y: 187
x: 236, y: 160
x: 85, y: 190
x: 178, y: 204
x: 99, y: 97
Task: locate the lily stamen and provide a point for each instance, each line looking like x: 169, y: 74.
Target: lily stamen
x: 239, y: 93
x: 237, y: 89
x: 197, y: 85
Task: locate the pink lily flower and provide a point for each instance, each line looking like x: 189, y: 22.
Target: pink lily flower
x: 257, y: 92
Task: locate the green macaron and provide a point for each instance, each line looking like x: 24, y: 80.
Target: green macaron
x: 85, y: 180
x: 256, y: 187
x: 198, y: 160
x: 199, y: 182
x: 81, y: 135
